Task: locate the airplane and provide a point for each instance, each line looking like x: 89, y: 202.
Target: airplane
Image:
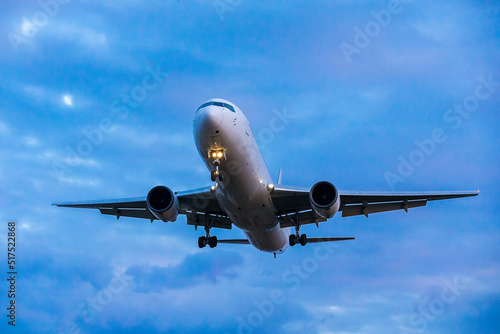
x: 244, y: 194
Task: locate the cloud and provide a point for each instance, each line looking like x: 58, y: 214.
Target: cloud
x: 68, y: 100
x: 41, y: 93
x: 4, y: 129
x: 195, y: 269
x: 31, y: 141
x: 87, y: 37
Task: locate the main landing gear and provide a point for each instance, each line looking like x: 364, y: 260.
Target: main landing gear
x: 297, y: 238
x: 207, y: 240
x: 203, y: 241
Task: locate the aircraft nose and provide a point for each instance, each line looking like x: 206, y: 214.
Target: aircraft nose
x: 209, y: 117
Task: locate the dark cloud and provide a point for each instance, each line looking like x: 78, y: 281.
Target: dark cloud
x: 199, y: 268
x: 482, y: 316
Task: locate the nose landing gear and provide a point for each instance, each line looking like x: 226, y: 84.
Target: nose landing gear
x: 216, y: 174
x: 215, y: 155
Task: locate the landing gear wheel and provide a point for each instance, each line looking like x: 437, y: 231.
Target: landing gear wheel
x: 303, y: 240
x: 221, y: 179
x: 212, y: 241
x: 292, y: 239
x: 215, y: 174
x: 202, y: 242
x: 207, y: 239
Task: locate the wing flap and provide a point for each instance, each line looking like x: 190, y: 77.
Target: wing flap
x: 199, y: 219
x: 124, y: 207
x: 359, y: 197
x: 357, y: 210
x: 125, y: 212
x: 305, y: 217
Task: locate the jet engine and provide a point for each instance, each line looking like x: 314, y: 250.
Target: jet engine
x: 163, y: 203
x: 325, y: 199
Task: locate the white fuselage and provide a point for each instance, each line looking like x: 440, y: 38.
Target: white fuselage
x: 243, y: 191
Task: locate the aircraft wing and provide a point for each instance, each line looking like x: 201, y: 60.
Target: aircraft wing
x: 196, y: 204
x: 289, y: 201
x: 200, y: 204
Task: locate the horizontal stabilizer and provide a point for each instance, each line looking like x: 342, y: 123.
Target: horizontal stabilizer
x: 234, y: 241
x: 327, y: 239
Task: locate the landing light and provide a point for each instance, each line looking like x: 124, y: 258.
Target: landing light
x: 216, y: 154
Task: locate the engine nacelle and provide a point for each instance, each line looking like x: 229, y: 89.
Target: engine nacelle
x: 325, y: 199
x: 163, y: 203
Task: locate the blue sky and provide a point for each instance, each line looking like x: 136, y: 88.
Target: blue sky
x: 412, y: 105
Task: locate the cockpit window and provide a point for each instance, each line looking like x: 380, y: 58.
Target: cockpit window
x: 228, y: 106
x: 205, y: 105
x: 218, y: 104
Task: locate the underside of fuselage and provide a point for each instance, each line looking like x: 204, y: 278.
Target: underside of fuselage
x: 229, y: 149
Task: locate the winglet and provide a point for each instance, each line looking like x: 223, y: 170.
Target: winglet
x: 279, y: 176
